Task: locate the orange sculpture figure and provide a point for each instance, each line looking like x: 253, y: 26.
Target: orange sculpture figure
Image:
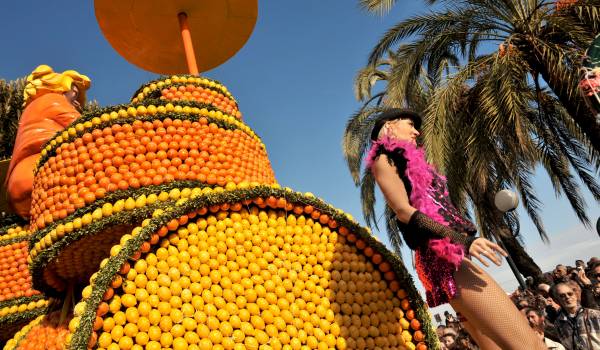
x: 52, y: 101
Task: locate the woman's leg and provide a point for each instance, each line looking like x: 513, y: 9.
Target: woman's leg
x: 484, y: 342
x: 491, y: 312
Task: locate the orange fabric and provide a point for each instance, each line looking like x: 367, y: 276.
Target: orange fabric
x: 40, y: 121
x: 21, y: 185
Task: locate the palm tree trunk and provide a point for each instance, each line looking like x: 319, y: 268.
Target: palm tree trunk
x: 524, y: 262
x: 569, y: 96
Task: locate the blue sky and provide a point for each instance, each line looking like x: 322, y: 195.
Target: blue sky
x: 294, y: 83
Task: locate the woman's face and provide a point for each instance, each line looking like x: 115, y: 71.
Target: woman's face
x: 401, y: 129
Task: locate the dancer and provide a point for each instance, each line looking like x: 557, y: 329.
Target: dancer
x: 52, y: 102
x: 442, y: 239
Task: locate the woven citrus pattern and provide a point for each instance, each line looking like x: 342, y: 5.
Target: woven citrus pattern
x: 142, y: 154
x: 190, y: 92
x: 59, y: 275
x: 19, y: 302
x: 153, y: 88
x: 190, y: 88
x: 15, y: 280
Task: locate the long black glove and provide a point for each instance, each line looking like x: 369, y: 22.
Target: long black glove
x: 421, y: 228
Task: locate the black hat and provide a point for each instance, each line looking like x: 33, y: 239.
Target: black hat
x: 393, y: 114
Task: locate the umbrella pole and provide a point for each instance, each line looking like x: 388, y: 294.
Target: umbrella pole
x: 187, y: 43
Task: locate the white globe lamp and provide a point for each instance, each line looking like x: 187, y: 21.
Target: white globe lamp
x: 506, y: 200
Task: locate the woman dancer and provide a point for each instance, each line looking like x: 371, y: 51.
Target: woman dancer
x: 443, y: 241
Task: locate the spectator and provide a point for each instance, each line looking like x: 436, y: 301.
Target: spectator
x: 583, y: 285
x: 552, y: 309
x: 578, y: 327
x: 543, y: 289
x: 448, y: 340
x: 596, y: 291
x: 548, y: 277
x: 451, y: 330
x: 560, y: 274
x: 588, y: 282
x: 440, y: 331
x: 579, y: 263
x: 594, y: 271
x: 464, y: 342
x: 538, y: 323
x: 522, y: 303
x: 451, y: 321
x: 593, y: 262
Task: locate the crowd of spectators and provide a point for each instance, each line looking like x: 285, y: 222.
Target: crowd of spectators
x: 453, y: 336
x: 563, y: 308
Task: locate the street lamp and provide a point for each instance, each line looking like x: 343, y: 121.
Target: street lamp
x: 506, y: 201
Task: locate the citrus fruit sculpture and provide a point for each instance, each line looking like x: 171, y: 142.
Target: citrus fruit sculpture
x: 164, y: 220
x: 19, y: 302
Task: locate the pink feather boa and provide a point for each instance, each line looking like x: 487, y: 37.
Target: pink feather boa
x: 420, y: 174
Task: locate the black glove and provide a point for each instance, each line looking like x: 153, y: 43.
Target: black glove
x: 421, y: 228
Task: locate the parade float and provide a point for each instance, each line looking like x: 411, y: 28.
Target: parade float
x: 589, y: 85
x: 159, y: 224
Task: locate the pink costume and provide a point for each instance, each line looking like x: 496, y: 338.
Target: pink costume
x: 437, y: 262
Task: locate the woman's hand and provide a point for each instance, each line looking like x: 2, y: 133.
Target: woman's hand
x: 482, y: 247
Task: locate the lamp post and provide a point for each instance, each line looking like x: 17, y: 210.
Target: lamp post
x: 506, y: 201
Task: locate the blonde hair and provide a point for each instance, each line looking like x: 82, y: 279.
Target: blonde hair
x: 44, y: 80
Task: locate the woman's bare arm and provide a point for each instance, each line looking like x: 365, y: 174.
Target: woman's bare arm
x: 393, y: 188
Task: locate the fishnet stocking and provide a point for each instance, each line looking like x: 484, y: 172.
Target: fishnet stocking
x: 490, y: 311
x: 484, y: 342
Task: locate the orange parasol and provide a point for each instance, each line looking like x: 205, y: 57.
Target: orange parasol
x: 176, y: 36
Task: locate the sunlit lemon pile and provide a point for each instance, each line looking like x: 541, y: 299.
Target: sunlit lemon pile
x: 275, y: 271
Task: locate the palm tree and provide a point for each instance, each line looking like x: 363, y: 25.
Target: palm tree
x: 546, y: 38
x: 484, y: 133
x: 11, y: 105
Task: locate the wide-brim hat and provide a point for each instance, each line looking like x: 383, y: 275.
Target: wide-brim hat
x: 393, y: 114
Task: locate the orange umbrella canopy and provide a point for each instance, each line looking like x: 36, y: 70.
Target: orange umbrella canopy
x: 147, y: 33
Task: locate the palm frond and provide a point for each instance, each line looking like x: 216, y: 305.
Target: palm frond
x: 367, y: 197
x: 393, y: 231
x: 380, y: 7
x: 11, y: 106
x: 433, y: 24
x: 357, y: 137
